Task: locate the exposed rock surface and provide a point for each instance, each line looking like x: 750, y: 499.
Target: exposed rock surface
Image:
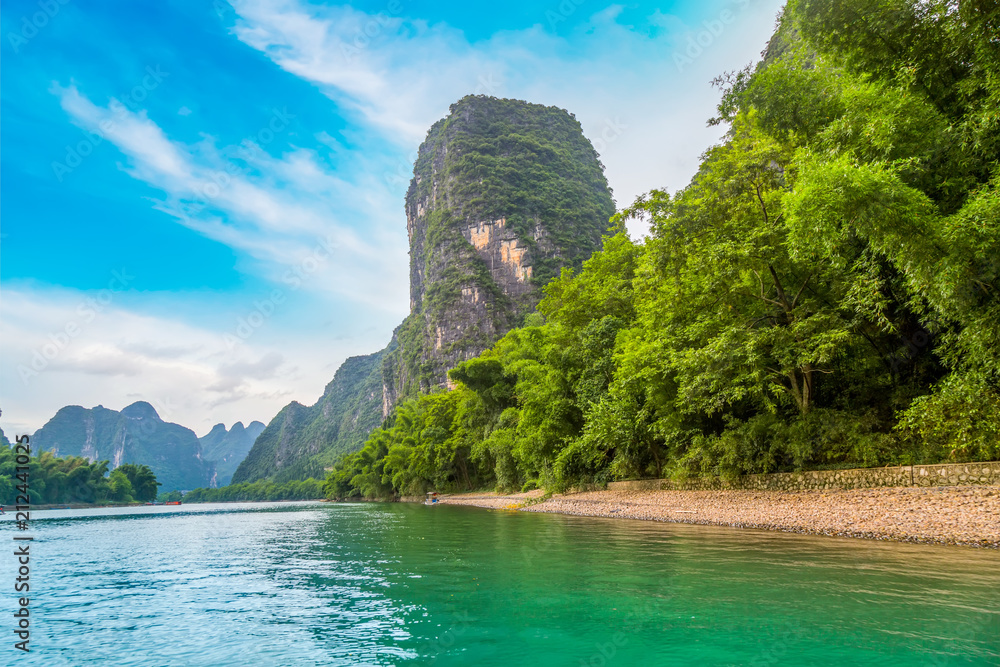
x: 504, y: 195
x: 134, y: 435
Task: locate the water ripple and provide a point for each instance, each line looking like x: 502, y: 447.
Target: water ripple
x: 367, y: 584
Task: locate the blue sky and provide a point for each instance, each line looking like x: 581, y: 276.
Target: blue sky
x: 202, y: 202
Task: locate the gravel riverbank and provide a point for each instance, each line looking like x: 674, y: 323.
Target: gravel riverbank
x: 965, y: 515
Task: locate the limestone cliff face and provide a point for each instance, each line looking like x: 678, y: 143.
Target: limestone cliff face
x: 504, y: 194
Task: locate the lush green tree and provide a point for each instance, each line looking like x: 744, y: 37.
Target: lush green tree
x: 121, y: 487
x: 825, y: 291
x: 53, y: 480
x: 261, y: 490
x: 142, y: 479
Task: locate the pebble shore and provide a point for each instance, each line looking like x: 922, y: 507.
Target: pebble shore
x: 960, y: 515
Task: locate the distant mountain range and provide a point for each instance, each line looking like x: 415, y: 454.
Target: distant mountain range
x: 137, y: 434
x: 228, y: 448
x: 481, y: 249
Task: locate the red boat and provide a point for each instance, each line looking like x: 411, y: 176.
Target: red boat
x: 172, y: 502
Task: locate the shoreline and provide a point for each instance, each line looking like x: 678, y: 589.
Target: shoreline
x: 950, y: 515
x: 91, y: 506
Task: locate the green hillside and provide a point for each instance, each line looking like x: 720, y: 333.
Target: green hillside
x: 134, y: 435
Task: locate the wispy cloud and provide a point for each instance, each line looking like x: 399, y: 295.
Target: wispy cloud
x: 274, y: 209
x: 123, y: 353
x: 609, y: 74
x: 317, y: 213
x: 322, y: 45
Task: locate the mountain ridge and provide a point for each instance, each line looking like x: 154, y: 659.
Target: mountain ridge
x: 301, y: 441
x: 228, y: 447
x: 137, y: 434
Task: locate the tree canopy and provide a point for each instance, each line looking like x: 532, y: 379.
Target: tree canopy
x: 261, y: 490
x: 74, y: 479
x: 824, y: 293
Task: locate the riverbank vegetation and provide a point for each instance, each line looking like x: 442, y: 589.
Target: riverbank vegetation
x: 824, y: 293
x: 307, y: 489
x: 74, y: 479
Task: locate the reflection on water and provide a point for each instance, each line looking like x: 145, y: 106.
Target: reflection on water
x: 373, y: 584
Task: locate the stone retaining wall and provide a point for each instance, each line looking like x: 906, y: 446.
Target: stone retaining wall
x: 943, y: 474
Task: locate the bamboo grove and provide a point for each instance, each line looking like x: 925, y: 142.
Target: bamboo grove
x: 824, y: 293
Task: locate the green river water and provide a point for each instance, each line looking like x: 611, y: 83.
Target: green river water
x: 382, y: 584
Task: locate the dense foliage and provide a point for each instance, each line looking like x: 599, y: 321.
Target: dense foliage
x: 306, y: 489
x: 823, y: 294
x: 139, y: 482
x: 74, y: 479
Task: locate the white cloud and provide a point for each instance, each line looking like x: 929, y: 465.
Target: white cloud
x: 285, y: 212
x: 331, y: 225
x: 642, y: 99
x: 57, y: 352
